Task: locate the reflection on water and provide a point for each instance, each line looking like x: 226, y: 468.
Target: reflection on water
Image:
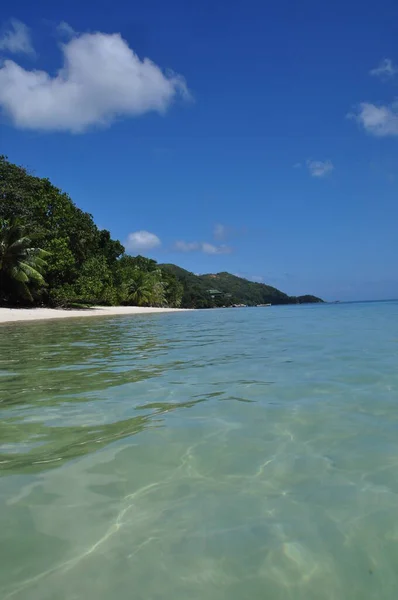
x: 220, y: 454
x: 52, y: 368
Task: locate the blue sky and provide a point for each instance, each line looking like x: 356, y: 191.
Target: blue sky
x: 254, y: 137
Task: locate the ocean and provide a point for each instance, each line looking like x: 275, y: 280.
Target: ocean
x: 210, y: 455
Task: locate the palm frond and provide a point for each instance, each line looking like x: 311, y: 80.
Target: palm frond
x: 21, y: 264
x: 18, y: 274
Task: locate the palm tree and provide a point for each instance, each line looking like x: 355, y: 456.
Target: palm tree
x: 21, y: 264
x: 140, y: 288
x: 147, y: 288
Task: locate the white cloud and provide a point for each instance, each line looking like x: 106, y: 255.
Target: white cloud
x: 220, y: 232
x: 205, y: 247
x: 385, y: 70
x: 101, y: 79
x: 182, y: 246
x: 65, y: 30
x: 378, y: 120
x: 319, y: 168
x: 212, y: 249
x: 297, y: 166
x: 16, y: 39
x: 142, y: 240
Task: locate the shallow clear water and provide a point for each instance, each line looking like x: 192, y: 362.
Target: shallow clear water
x: 230, y: 454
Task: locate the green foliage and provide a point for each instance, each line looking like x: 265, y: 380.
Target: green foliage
x: 82, y: 260
x: 140, y: 288
x: 146, y: 288
x: 158, y: 295
x: 66, y: 232
x: 306, y: 299
x: 194, y: 293
x: 111, y: 249
x: 244, y: 291
x: 84, y: 265
x: 61, y: 261
x: 144, y: 284
x: 50, y: 213
x: 173, y: 289
x: 229, y: 290
x: 22, y: 264
x: 63, y: 295
x: 95, y: 282
x: 142, y: 263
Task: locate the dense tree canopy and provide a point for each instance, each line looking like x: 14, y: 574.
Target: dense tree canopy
x: 51, y: 252
x: 83, y: 264
x: 224, y: 289
x: 21, y: 263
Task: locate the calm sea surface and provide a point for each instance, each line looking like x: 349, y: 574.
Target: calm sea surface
x: 215, y: 455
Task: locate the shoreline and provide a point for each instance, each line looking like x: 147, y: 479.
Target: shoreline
x: 20, y: 315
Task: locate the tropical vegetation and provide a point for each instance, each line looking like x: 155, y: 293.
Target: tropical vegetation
x: 225, y: 289
x: 52, y: 253
x: 22, y: 264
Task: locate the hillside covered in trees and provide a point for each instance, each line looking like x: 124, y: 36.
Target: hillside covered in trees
x: 224, y: 289
x: 52, y: 253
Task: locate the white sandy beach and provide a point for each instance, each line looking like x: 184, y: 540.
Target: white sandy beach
x: 9, y: 315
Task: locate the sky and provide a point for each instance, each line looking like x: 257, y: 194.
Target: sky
x: 253, y: 137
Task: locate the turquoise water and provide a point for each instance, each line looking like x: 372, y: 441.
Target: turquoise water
x: 230, y: 454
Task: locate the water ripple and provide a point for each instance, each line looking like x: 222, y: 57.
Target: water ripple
x: 215, y: 454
